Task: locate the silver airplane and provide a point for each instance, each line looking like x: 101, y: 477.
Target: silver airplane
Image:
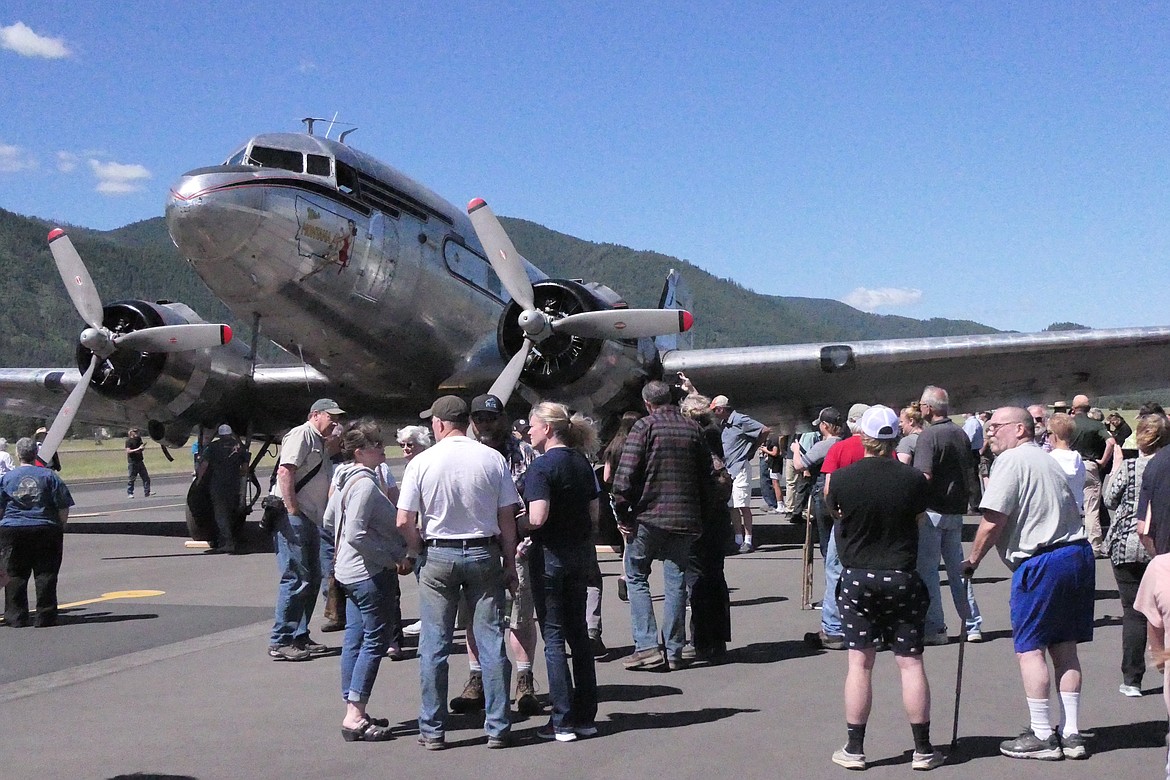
x: 387, y: 295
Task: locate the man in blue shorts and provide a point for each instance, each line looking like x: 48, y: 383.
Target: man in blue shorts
x: 878, y: 504
x: 1031, y: 515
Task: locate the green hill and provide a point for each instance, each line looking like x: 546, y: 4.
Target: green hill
x: 139, y: 261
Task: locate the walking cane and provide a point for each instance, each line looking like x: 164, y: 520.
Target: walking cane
x: 806, y: 583
x: 959, y: 672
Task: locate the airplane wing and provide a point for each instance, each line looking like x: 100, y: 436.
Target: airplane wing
x: 980, y: 372
x: 39, y: 392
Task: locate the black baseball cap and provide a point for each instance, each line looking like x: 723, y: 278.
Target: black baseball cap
x: 487, y: 403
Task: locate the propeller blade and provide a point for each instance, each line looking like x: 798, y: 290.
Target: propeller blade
x: 64, y: 418
x: 175, y: 338
x: 625, y: 323
x: 76, y: 278
x: 507, y: 262
x: 506, y: 382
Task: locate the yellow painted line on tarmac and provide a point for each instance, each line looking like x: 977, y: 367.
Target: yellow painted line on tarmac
x: 117, y: 594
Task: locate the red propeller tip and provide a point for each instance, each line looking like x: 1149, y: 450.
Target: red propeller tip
x: 226, y: 333
x: 685, y: 320
x: 55, y: 233
x: 476, y: 204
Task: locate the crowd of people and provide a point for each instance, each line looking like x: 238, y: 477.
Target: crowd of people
x: 497, y: 522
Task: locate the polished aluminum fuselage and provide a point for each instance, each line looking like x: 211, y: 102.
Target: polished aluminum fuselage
x: 368, y: 298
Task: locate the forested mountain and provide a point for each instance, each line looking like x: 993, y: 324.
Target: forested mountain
x: 40, y: 326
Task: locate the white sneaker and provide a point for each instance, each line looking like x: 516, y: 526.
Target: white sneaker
x: 1132, y: 691
x: 924, y: 762
x: 975, y: 636
x: 843, y: 757
x: 414, y: 629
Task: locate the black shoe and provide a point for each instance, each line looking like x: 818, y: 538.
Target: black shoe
x: 1073, y: 746
x: 312, y: 648
x: 331, y: 626
x: 598, y: 647
x: 288, y: 653
x: 1028, y: 745
x: 623, y: 591
x: 432, y: 743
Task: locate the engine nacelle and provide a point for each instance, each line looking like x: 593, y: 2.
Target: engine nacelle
x: 564, y: 367
x: 180, y: 388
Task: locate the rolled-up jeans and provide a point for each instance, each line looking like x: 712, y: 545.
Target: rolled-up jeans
x: 298, y: 545
x: 673, y: 549
x: 447, y: 575
x: 368, y: 612
x: 942, y: 536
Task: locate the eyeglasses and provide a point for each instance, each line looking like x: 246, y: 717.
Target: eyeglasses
x: 993, y: 427
x: 405, y: 444
x: 1038, y: 419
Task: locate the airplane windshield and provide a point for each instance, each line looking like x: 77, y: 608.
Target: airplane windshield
x: 268, y: 157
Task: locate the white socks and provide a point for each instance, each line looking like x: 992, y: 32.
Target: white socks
x: 1071, y: 702
x: 1038, y: 714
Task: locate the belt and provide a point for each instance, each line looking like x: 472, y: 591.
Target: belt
x: 475, y: 541
x: 1059, y: 545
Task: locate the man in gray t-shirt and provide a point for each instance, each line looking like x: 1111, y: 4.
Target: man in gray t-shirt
x: 741, y: 437
x: 1031, y: 515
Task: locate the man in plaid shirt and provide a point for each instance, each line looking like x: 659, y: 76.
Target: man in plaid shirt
x: 662, y: 479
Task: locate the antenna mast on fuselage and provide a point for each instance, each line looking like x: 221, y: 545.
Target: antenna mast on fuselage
x: 310, y: 120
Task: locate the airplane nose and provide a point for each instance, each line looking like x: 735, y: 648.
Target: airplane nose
x: 210, y: 217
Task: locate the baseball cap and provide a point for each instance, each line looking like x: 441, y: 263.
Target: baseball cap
x: 487, y: 403
x: 449, y: 408
x: 828, y: 415
x: 856, y: 411
x: 520, y: 426
x: 327, y: 405
x: 225, y: 430
x: 880, y: 422
x: 720, y: 402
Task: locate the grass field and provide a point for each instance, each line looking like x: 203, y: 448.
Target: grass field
x: 83, y: 459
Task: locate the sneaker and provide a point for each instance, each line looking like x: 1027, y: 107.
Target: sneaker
x: 146, y: 494
x: 975, y: 636
x: 500, y: 741
x: 678, y: 664
x: 1132, y: 691
x: 843, y: 757
x: 129, y: 495
x: 1028, y: 745
x: 746, y: 547
x: 547, y: 731
x: 924, y: 762
x: 526, y: 701
x: 585, y: 731
x: 288, y: 653
x: 689, y: 653
x: 414, y: 629
x: 645, y: 660
x: 312, y: 648
x: 831, y: 641
x: 597, y: 646
x: 937, y: 640
x: 472, y: 699
x: 434, y: 743
x: 623, y: 591
x: 1073, y: 746
x: 330, y: 626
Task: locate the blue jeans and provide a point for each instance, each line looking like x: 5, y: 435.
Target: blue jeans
x: 559, y: 579
x: 325, y: 553
x: 367, y: 632
x: 673, y: 549
x: 767, y: 491
x: 447, y: 575
x: 942, y: 536
x: 298, y: 544
x: 830, y: 612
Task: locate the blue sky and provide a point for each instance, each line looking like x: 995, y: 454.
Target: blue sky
x: 1001, y: 162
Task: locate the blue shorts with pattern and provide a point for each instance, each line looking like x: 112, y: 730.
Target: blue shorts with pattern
x: 1052, y: 597
x: 882, y: 606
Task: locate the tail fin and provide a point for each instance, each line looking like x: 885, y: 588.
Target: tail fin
x: 675, y: 295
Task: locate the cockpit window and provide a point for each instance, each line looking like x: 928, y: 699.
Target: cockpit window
x: 317, y: 164
x: 238, y: 157
x: 347, y: 179
x: 267, y: 157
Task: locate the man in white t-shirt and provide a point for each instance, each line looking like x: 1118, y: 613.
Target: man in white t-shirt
x: 464, y: 494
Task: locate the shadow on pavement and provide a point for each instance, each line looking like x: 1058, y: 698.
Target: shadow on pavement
x: 638, y: 721
x: 627, y: 692
x: 758, y: 601
x: 70, y: 618
x: 770, y: 652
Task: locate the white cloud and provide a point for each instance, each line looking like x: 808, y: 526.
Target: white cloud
x: 13, y: 159
x: 67, y: 162
x: 118, y: 178
x: 882, y: 297
x: 22, y: 40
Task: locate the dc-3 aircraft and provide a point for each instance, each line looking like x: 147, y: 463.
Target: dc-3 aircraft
x: 387, y: 295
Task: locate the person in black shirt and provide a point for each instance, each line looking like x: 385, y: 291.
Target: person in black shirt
x: 878, y: 504
x: 562, y: 495
x: 135, y: 463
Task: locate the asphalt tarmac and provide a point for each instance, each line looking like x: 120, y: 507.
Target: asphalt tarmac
x: 179, y: 684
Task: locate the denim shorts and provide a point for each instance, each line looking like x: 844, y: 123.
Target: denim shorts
x: 1052, y: 597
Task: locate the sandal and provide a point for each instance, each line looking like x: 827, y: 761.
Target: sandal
x: 367, y: 732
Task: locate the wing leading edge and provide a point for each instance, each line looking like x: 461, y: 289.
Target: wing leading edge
x: 786, y: 381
